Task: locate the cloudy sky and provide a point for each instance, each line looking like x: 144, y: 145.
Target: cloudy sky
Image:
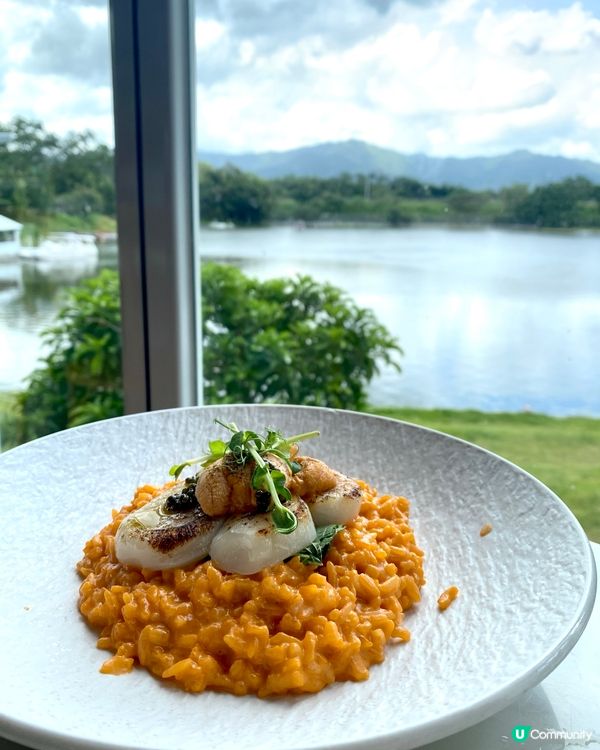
x: 443, y: 77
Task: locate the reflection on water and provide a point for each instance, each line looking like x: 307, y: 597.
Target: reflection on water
x: 31, y: 292
x: 488, y: 319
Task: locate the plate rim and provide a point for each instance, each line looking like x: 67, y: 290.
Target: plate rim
x: 415, y: 735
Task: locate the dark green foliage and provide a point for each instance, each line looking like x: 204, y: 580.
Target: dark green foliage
x: 287, y: 341
x: 570, y: 203
x: 284, y: 340
x: 397, y: 216
x: 79, y: 202
x: 70, y: 179
x: 41, y: 173
x: 79, y: 380
x: 316, y: 550
x: 231, y: 195
x: 400, y: 201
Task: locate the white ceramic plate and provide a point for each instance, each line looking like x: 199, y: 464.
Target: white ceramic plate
x: 527, y: 591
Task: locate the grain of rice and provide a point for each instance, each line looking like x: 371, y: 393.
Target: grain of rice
x: 447, y: 597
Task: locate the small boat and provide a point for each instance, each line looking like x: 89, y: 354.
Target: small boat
x: 62, y: 246
x: 221, y: 224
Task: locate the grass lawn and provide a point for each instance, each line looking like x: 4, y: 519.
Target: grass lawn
x: 564, y: 453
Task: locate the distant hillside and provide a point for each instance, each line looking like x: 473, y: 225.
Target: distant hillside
x: 358, y: 157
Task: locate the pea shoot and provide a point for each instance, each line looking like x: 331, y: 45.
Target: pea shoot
x: 246, y: 445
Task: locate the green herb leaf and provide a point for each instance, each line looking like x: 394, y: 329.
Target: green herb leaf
x: 284, y: 520
x: 245, y: 445
x: 217, y: 447
x: 316, y: 550
x: 278, y: 478
x: 176, y: 470
x: 259, y: 478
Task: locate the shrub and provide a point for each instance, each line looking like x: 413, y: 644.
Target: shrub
x: 290, y: 340
x: 79, y: 379
x: 283, y: 340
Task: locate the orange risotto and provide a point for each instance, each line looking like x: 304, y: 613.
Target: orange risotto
x: 290, y: 628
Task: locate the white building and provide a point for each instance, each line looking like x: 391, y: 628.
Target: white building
x: 10, y: 237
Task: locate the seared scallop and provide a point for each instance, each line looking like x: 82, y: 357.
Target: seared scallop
x: 339, y: 504
x: 245, y: 544
x: 171, y: 531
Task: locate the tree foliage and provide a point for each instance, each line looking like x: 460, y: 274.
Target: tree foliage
x: 230, y: 195
x: 79, y: 379
x: 570, y: 203
x: 290, y: 340
x: 41, y: 173
x: 282, y: 341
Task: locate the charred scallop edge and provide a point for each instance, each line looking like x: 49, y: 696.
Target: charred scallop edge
x: 167, y: 539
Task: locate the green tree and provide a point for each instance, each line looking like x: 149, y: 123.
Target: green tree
x: 229, y: 194
x: 81, y: 201
x: 288, y: 341
x: 466, y: 203
x: 25, y: 161
x: 284, y: 340
x: 405, y: 187
x: 79, y: 379
x: 83, y: 164
x: 397, y: 216
x: 570, y: 203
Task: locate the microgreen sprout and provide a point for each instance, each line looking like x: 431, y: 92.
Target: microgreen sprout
x: 246, y: 445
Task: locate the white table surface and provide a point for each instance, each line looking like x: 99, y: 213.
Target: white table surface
x: 568, y: 699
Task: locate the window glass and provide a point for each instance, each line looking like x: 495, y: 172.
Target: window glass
x: 438, y: 162
x: 57, y: 219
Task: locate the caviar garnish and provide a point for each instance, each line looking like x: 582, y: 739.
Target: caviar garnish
x: 182, y: 501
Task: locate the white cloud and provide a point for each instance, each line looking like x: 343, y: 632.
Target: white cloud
x: 415, y: 84
x: 61, y: 108
x: 458, y: 77
x: 577, y: 149
x: 569, y: 30
x: 92, y: 15
x: 588, y: 107
x: 457, y: 11
x: 208, y: 32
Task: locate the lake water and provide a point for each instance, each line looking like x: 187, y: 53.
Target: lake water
x: 488, y: 319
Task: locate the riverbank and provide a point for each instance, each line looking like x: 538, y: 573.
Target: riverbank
x: 562, y: 452
x: 40, y: 226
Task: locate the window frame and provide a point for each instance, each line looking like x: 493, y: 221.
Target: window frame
x: 156, y: 180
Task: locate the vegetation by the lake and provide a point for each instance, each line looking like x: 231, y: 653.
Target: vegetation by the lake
x: 290, y: 340
x: 396, y: 201
x: 564, y: 453
x: 256, y: 339
x: 52, y: 183
x: 79, y: 380
x: 44, y: 176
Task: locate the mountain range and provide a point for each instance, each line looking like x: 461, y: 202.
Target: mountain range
x: 359, y: 157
